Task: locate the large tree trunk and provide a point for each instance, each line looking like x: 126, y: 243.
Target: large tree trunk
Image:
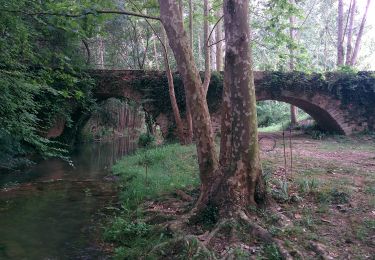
x: 241, y: 169
x: 179, y: 42
x: 359, y: 36
x: 340, y: 33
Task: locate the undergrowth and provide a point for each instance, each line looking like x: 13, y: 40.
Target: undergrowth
x: 148, y: 174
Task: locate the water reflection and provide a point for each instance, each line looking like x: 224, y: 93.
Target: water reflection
x: 51, y: 212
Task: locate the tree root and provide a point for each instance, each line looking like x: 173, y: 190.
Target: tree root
x: 264, y: 235
x: 189, y: 245
x: 216, y: 230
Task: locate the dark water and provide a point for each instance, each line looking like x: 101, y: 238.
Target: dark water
x: 52, y: 211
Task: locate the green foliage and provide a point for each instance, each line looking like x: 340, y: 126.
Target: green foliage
x: 170, y: 167
x: 146, y: 140
x: 42, y: 76
x: 339, y: 197
x: 281, y: 192
x: 307, y: 186
x: 154, y: 88
x: 123, y: 230
x: 272, y: 112
x: 135, y: 237
x: 272, y: 252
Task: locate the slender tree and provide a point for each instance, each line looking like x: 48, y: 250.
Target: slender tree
x: 359, y: 36
x: 292, y: 33
x: 340, y: 33
x: 219, y: 44
x: 207, y: 52
x: 179, y: 42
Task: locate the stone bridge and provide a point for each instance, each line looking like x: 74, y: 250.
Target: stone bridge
x: 343, y: 103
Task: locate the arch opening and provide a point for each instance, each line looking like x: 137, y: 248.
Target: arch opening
x: 323, y: 118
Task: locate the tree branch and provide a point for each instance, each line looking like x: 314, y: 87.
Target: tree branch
x: 216, y: 42
x: 213, y: 28
x: 94, y: 12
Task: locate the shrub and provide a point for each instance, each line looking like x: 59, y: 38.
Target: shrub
x: 146, y: 140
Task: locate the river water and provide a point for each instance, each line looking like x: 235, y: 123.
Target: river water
x: 52, y: 211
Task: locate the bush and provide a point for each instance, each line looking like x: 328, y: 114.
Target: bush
x: 146, y: 140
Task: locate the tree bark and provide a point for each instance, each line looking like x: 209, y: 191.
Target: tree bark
x: 359, y: 37
x: 241, y: 165
x: 191, y: 23
x: 179, y: 42
x: 340, y: 34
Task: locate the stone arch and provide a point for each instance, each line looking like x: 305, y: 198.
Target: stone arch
x: 325, y: 110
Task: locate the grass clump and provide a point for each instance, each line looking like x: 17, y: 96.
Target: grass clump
x: 149, y: 173
x: 146, y: 140
x: 146, y: 175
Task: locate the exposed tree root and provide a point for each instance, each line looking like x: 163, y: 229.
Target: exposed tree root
x: 216, y: 230
x: 226, y: 231
x: 264, y: 235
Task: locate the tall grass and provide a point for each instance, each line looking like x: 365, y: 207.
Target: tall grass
x: 155, y: 171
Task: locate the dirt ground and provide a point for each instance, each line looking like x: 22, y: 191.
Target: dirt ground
x: 327, y: 198
x: 332, y: 181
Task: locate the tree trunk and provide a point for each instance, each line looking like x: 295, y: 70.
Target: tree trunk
x: 156, y: 53
x: 179, y: 42
x: 292, y: 33
x: 349, y: 47
x: 219, y: 45
x: 241, y: 168
x: 101, y: 52
x: 340, y: 34
x: 191, y: 23
x: 87, y: 47
x: 237, y: 184
x: 359, y: 36
x: 189, y: 120
x: 207, y: 56
x: 172, y: 96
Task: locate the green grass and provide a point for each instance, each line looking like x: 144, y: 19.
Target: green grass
x: 148, y: 174
x: 282, y: 125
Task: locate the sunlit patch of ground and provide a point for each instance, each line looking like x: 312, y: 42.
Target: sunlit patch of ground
x: 332, y: 184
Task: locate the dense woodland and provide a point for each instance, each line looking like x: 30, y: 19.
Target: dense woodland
x: 48, y: 48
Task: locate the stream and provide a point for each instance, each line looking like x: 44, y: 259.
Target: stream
x: 53, y: 210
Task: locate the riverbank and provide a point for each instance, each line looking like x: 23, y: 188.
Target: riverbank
x: 325, y: 209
